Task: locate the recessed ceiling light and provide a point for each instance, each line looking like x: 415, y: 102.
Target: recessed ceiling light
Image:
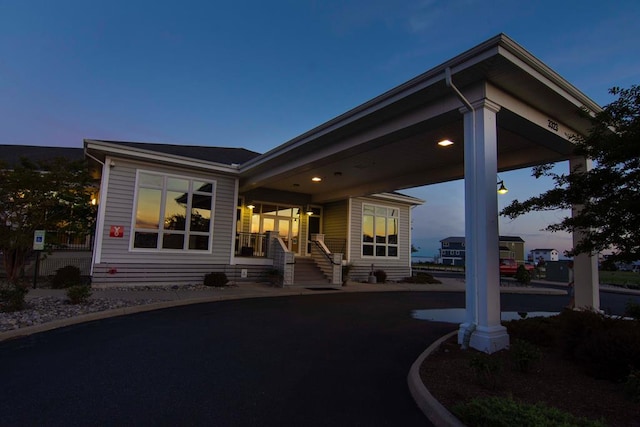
x: 445, y: 143
x: 316, y: 179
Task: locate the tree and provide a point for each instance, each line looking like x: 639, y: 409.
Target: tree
x: 52, y: 195
x: 609, y: 193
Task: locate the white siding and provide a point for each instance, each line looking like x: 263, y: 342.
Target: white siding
x: 115, y: 252
x: 396, y: 268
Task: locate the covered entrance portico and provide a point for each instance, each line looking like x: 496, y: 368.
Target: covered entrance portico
x: 501, y: 107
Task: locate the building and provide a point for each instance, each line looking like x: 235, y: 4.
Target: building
x: 537, y: 255
x: 172, y: 213
x: 495, y: 107
x: 453, y: 251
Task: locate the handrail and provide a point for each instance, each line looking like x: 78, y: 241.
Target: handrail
x: 326, y: 254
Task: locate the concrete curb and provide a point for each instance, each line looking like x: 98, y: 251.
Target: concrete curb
x: 430, y: 407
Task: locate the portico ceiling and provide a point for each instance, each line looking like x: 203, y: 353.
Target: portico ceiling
x: 390, y: 142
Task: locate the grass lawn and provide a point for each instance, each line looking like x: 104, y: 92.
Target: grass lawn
x: 621, y: 278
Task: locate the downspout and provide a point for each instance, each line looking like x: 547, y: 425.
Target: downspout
x: 447, y: 74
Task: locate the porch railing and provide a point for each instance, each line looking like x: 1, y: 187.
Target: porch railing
x: 336, y: 246
x: 251, y: 244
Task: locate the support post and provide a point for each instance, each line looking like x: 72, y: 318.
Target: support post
x: 481, y: 329
x: 585, y: 266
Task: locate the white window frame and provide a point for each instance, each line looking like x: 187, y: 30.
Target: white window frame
x: 374, y: 244
x: 160, y: 230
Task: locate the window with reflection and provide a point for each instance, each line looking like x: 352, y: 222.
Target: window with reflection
x: 379, y: 231
x: 173, y: 213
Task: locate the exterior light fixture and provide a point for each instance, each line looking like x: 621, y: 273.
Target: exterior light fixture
x: 502, y: 189
x: 316, y: 179
x: 445, y: 143
x: 251, y: 206
x: 94, y: 201
x: 309, y: 211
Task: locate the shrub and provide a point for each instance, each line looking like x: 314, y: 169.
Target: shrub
x: 216, y: 279
x: 607, y: 347
x: 422, y: 278
x: 78, y: 294
x: 632, y: 385
x: 524, y: 354
x: 632, y: 310
x: 381, y: 276
x: 486, y: 369
x: 506, y: 412
x: 65, y: 277
x: 12, y: 298
x: 541, y: 331
x: 522, y: 275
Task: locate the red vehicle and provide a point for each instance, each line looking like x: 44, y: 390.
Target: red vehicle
x: 509, y: 266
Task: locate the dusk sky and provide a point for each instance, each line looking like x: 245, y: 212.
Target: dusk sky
x: 256, y: 74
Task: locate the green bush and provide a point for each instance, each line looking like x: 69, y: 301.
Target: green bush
x: 381, y: 276
x: 522, y: 275
x: 78, y: 294
x: 422, y: 278
x: 524, y: 354
x: 632, y: 310
x: 541, y: 331
x: 608, y: 348
x: 506, y: 412
x: 632, y: 385
x: 12, y: 298
x: 65, y: 277
x: 216, y: 279
x: 486, y: 369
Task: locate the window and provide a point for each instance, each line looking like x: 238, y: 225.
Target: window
x: 379, y: 231
x: 172, y: 213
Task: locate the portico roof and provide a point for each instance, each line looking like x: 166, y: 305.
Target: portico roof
x: 390, y: 142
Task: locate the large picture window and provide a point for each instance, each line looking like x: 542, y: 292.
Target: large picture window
x: 379, y: 231
x: 173, y: 213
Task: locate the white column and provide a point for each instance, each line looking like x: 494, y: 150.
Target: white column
x: 585, y: 266
x: 482, y: 329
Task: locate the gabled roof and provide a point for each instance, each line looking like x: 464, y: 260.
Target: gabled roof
x: 511, y: 239
x: 455, y: 239
x: 223, y: 155
x: 11, y: 154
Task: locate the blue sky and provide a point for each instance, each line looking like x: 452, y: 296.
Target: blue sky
x: 255, y: 74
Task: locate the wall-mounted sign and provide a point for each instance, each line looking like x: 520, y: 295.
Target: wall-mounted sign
x: 38, y: 240
x: 116, y: 231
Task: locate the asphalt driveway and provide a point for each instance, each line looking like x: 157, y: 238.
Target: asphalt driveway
x: 326, y: 359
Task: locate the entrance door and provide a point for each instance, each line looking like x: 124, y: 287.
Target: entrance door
x: 314, y: 228
x: 287, y: 228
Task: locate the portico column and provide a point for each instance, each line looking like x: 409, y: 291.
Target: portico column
x: 585, y: 266
x: 482, y: 329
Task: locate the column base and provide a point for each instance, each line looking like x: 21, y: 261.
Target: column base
x: 487, y: 339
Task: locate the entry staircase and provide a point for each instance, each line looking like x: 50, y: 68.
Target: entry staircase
x: 308, y: 274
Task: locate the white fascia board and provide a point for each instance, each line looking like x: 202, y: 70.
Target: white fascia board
x: 188, y: 162
x: 401, y: 198
x: 541, y: 72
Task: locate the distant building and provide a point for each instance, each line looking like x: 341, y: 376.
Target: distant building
x: 452, y: 249
x: 538, y: 255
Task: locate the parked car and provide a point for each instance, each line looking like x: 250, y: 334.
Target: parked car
x: 509, y: 266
